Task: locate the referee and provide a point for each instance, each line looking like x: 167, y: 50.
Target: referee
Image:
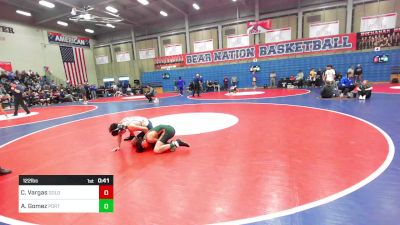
x: 18, y: 99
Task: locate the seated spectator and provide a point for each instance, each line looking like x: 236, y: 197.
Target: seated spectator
x: 65, y: 96
x: 44, y: 98
x: 234, y: 81
x: 311, y: 78
x: 346, y: 85
x: 150, y: 94
x: 55, y: 97
x: 226, y: 83
x: 292, y: 79
x: 318, y: 78
x: 233, y: 89
x: 364, y: 90
x: 118, y: 92
x: 328, y: 91
x: 299, y: 79
x: 210, y: 85
x: 216, y: 86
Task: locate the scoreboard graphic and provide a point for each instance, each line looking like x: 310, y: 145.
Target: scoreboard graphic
x: 66, y: 194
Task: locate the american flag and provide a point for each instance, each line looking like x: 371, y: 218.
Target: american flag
x: 74, y: 65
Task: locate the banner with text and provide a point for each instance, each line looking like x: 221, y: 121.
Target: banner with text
x: 278, y: 35
x: 223, y: 55
x: 123, y: 57
x: 59, y: 38
x: 342, y: 42
x: 149, y: 53
x: 175, y: 49
x: 324, y: 29
x: 379, y: 22
x: 258, y: 26
x: 236, y: 41
x: 203, y: 46
x: 378, y: 38
x: 102, y: 59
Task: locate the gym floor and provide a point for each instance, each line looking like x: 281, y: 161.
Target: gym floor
x: 268, y: 156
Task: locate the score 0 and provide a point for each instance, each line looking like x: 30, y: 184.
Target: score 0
x: 106, y: 198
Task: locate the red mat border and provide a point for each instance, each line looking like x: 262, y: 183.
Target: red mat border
x: 284, y: 96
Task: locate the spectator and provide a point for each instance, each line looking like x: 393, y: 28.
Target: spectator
x: 1, y: 108
x: 329, y: 75
x: 299, y: 78
x: 272, y: 79
x: 83, y: 93
x: 93, y: 90
x: 180, y: 85
x: 202, y: 83
x: 364, y: 90
x: 312, y: 77
x: 175, y: 85
x: 210, y: 85
x: 350, y: 71
x: 44, y: 98
x: 328, y: 91
x: 292, y: 79
x: 358, y: 74
x: 319, y: 78
x: 234, y: 81
x: 150, y: 93
x: 226, y: 83
x: 197, y: 82
x: 346, y: 86
x: 254, y: 80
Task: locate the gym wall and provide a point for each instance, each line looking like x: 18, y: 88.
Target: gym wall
x: 283, y: 68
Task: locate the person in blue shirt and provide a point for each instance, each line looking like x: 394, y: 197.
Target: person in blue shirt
x: 197, y: 81
x: 180, y: 84
x: 346, y: 85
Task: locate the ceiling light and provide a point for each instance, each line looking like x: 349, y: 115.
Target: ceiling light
x: 46, y: 3
x: 110, y: 25
x: 195, y: 6
x: 111, y: 9
x: 89, y: 31
x: 62, y: 23
x: 143, y: 2
x: 163, y: 13
x: 233, y: 0
x: 23, y: 13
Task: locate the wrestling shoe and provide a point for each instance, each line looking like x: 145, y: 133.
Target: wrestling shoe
x: 4, y: 171
x: 181, y: 143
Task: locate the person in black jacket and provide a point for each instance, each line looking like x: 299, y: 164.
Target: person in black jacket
x: 18, y: 98
x: 358, y: 74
